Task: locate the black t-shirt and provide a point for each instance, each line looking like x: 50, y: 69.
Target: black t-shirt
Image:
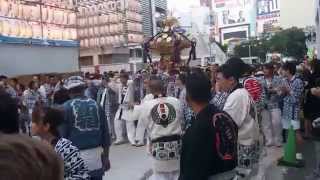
x: 199, y: 156
x: 312, y: 103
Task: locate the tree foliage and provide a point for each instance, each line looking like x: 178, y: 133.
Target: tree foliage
x: 289, y: 42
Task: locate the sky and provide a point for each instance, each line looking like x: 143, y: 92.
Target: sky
x: 181, y: 5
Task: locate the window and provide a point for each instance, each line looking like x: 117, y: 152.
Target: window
x: 237, y: 34
x: 132, y: 53
x: 139, y: 53
x: 105, y: 59
x: 86, y: 61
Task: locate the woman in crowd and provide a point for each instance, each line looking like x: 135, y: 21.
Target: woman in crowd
x: 45, y: 123
x: 272, y: 122
x: 312, y: 102
x: 292, y: 93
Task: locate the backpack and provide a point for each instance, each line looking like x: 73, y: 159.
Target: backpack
x: 226, y: 138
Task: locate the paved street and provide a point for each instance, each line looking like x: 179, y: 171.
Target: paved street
x: 311, y: 155
x: 131, y: 163
x: 128, y: 163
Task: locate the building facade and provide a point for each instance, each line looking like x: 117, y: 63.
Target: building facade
x: 234, y: 19
x: 113, y: 41
x: 153, y: 11
x: 107, y: 30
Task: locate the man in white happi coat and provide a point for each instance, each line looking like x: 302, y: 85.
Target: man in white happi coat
x: 162, y: 116
x: 123, y: 116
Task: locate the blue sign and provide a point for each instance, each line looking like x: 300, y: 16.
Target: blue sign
x: 39, y: 42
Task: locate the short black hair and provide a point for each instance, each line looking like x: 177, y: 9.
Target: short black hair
x: 47, y: 115
x: 229, y: 71
x: 15, y: 80
x: 269, y: 66
x: 61, y: 96
x: 31, y: 84
x: 239, y: 66
x: 124, y: 74
x: 290, y: 66
x: 156, y: 84
x: 9, y: 122
x: 198, y: 87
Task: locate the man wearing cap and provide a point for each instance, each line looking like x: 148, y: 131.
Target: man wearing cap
x: 85, y: 125
x: 107, y: 98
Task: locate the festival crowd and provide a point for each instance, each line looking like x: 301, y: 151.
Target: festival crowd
x: 197, y: 124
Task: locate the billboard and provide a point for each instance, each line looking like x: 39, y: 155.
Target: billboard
x: 268, y: 15
x: 234, y: 12
x: 235, y: 15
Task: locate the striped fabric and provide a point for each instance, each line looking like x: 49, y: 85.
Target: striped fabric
x: 74, y: 166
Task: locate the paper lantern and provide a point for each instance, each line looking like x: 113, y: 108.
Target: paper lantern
x: 121, y: 39
x: 101, y: 30
x: 44, y: 14
x: 45, y: 32
x: 117, y: 18
x: 91, y: 32
x: 1, y: 25
x: 96, y: 31
x: 79, y: 22
x: 82, y: 11
x: 73, y: 33
x: 108, y: 40
x: 66, y: 34
x: 15, y: 10
x: 72, y: 19
x: 97, y: 44
x: 86, y: 32
x: 92, y: 10
x: 102, y: 41
x: 107, y: 30
x: 20, y: 7
x: 80, y: 33
x: 111, y: 29
x: 92, y: 42
x: 132, y: 38
x: 4, y: 8
x: 26, y: 12
x: 65, y: 18
x: 5, y: 28
x: 36, y: 29
x: 58, y: 17
x: 86, y: 43
x: 96, y: 20
x: 112, y: 40
x: 36, y: 13
x: 121, y: 28
x: 50, y: 15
